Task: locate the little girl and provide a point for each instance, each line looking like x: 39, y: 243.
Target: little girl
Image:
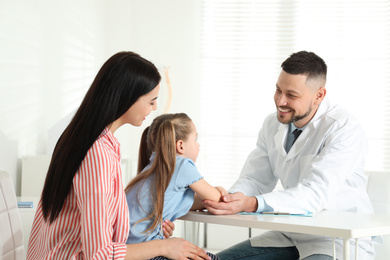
x: 168, y: 184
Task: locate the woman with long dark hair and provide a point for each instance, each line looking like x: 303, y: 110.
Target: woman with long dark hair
x: 83, y: 212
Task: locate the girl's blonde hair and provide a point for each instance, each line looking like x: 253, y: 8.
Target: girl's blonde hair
x: 161, y: 138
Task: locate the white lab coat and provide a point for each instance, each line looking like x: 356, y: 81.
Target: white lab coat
x: 323, y: 170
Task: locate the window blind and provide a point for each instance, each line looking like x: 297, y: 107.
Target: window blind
x: 243, y: 44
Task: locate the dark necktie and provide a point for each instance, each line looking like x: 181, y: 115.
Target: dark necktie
x: 296, y: 133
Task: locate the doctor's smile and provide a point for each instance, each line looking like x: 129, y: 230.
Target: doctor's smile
x: 284, y: 110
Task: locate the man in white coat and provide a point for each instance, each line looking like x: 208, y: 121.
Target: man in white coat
x: 320, y: 169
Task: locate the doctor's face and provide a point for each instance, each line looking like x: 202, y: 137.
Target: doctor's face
x: 296, y: 99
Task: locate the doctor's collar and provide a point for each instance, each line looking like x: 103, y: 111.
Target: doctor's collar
x: 292, y: 127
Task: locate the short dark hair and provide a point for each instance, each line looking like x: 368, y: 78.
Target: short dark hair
x: 305, y: 63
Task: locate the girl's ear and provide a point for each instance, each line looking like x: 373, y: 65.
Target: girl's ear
x: 180, y: 147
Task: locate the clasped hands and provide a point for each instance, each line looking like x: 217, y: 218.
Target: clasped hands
x: 230, y: 203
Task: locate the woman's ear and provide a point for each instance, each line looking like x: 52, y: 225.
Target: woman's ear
x: 180, y: 147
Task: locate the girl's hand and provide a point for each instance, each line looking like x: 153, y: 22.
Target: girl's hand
x: 181, y: 249
x: 168, y: 228
x: 222, y: 191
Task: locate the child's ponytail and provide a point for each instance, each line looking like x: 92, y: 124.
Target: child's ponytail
x: 165, y: 149
x: 163, y: 167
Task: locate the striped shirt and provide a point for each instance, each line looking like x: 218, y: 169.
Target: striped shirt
x: 94, y: 221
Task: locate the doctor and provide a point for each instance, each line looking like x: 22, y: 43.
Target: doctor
x: 320, y: 167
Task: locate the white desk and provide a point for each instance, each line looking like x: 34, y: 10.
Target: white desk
x: 345, y: 225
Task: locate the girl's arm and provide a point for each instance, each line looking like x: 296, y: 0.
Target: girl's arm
x: 172, y: 248
x: 203, y: 190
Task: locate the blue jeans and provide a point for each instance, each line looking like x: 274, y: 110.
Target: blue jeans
x: 213, y: 257
x: 245, y: 251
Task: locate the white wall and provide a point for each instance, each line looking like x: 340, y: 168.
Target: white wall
x: 50, y: 52
x: 166, y: 33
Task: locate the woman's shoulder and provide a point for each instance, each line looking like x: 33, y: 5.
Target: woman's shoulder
x: 99, y: 149
x: 102, y: 154
x: 106, y: 142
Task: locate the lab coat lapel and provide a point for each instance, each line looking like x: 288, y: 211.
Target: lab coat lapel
x: 280, y: 139
x: 300, y: 143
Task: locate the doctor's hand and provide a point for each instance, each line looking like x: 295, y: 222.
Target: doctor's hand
x: 231, y: 204
x: 168, y: 228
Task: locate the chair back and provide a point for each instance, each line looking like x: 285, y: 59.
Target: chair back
x: 11, y: 231
x: 378, y: 190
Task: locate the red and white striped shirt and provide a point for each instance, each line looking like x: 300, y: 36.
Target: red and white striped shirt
x: 94, y: 221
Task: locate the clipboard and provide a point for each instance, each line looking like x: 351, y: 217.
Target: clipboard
x: 277, y: 213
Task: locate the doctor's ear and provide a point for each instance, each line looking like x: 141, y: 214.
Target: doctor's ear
x: 180, y: 147
x: 321, y: 93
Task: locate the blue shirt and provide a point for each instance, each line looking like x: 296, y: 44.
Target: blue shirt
x: 177, y: 202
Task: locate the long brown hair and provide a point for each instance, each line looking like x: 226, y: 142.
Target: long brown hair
x: 161, y: 138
